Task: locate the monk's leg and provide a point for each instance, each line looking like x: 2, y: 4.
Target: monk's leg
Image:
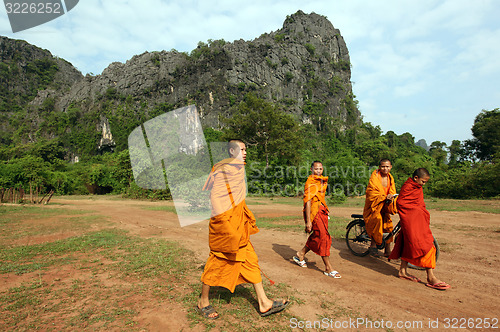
x: 431, y: 278
x: 403, y: 269
x: 388, y: 249
x: 301, y: 254
x: 328, y: 265
x: 204, y: 300
x: 264, y: 302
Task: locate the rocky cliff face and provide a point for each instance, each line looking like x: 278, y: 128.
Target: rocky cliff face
x: 305, y: 61
x: 27, y: 69
x: 304, y: 66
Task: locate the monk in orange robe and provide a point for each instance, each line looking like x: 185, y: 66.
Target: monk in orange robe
x: 415, y: 243
x: 232, y: 260
x: 379, y: 205
x: 316, y: 219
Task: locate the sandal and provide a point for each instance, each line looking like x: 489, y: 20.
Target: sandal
x: 301, y: 263
x: 438, y: 286
x: 206, y: 311
x: 278, y: 306
x: 333, y: 274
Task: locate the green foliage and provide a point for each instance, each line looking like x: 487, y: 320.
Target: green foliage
x: 279, y: 37
x: 341, y: 65
x: 337, y: 197
x: 468, y: 180
x: 486, y: 132
x: 19, y: 84
x: 272, y: 133
x: 271, y: 64
x: 310, y: 48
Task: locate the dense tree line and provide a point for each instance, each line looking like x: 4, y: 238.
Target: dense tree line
x: 280, y: 150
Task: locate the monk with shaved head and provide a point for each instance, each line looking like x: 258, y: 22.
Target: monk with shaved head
x: 379, y: 205
x: 415, y: 243
x: 232, y: 259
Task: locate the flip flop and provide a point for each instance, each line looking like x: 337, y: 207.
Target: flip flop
x: 333, y: 274
x: 278, y: 306
x: 301, y: 263
x: 206, y: 311
x: 411, y: 278
x: 439, y: 286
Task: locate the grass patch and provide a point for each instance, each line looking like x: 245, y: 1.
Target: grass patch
x: 17, y: 222
x: 114, y: 276
x: 353, y: 202
x: 295, y: 201
x: 239, y: 310
x: 8, y: 212
x: 486, y: 206
x: 165, y: 208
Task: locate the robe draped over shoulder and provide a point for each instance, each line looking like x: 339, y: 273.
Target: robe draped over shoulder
x: 415, y: 242
x: 232, y: 222
x: 320, y: 240
x: 315, y: 190
x: 232, y: 258
x: 376, y: 213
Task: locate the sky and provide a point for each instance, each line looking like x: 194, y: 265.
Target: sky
x: 426, y: 67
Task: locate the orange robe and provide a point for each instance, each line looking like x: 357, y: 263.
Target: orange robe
x: 414, y: 243
x: 232, y: 260
x: 320, y: 240
x: 376, y: 213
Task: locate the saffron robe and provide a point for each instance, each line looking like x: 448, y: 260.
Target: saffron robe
x: 320, y: 240
x: 376, y: 213
x: 414, y: 243
x: 232, y: 260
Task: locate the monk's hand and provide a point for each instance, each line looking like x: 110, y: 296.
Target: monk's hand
x: 388, y: 199
x: 309, y: 227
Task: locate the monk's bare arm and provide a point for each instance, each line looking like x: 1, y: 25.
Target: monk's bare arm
x: 308, y: 216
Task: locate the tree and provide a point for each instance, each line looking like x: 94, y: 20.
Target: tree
x: 456, y: 153
x: 486, y: 132
x: 274, y: 133
x: 438, y: 152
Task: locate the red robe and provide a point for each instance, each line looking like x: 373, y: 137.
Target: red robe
x: 415, y: 243
x: 320, y: 240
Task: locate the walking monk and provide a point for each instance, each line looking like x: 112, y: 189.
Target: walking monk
x: 232, y: 260
x: 415, y: 243
x: 379, y: 205
x: 316, y: 220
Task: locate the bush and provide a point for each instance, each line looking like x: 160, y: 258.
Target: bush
x: 337, y: 197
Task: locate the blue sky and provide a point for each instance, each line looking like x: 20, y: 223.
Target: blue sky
x: 426, y: 67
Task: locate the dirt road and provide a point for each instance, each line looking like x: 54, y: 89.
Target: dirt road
x: 369, y: 288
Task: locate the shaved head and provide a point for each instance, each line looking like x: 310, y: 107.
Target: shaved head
x: 421, y: 173
x: 233, y: 144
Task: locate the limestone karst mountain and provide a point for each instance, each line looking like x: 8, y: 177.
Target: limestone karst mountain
x: 304, y: 67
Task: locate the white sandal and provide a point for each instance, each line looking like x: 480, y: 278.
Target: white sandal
x: 333, y: 274
x: 301, y: 263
